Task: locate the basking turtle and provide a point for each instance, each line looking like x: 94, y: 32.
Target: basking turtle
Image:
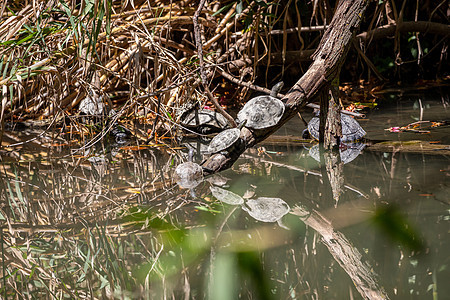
x: 266, y: 209
x: 226, y: 196
x: 189, y: 174
x: 262, y: 111
x: 204, y: 121
x: 92, y: 105
x: 351, y: 130
x: 225, y: 141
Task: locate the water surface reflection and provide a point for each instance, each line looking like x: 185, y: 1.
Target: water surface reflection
x: 279, y: 224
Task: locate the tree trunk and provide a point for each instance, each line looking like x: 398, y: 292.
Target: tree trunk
x: 332, y: 125
x: 327, y: 60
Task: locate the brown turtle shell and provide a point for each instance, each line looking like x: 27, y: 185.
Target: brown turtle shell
x: 224, y: 140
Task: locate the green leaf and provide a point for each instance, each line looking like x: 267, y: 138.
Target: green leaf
x: 108, y: 17
x: 204, y: 208
x: 5, y: 70
x: 225, y: 8
x: 1, y: 64
x: 397, y: 227
x: 88, y: 7
x: 223, y: 285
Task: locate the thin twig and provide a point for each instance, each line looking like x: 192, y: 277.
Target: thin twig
x: 198, y: 42
x: 279, y: 95
x: 153, y: 134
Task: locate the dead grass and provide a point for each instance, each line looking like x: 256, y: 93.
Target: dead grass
x: 136, y: 55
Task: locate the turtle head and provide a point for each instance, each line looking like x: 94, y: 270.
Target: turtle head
x: 276, y: 89
x: 191, y: 155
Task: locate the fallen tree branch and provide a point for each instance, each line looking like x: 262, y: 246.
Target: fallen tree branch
x: 328, y: 58
x: 420, y: 147
x: 419, y: 26
x: 276, y: 58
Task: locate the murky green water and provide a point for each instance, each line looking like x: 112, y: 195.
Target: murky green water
x: 116, y: 226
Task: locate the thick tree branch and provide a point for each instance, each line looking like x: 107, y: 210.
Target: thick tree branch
x: 419, y: 26
x: 377, y: 33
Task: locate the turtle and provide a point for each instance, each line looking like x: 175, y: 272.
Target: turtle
x: 225, y: 141
x: 204, y: 121
x: 121, y: 134
x: 267, y: 209
x: 226, y: 196
x: 189, y: 174
x: 351, y: 130
x: 92, y: 105
x: 347, y: 151
x: 217, y: 179
x: 262, y: 111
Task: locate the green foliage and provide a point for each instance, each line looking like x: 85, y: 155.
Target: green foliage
x: 223, y: 9
x: 224, y: 284
x: 397, y: 227
x: 384, y: 64
x: 249, y: 263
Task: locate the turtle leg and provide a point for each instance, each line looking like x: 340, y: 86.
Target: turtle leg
x: 192, y: 192
x: 305, y: 134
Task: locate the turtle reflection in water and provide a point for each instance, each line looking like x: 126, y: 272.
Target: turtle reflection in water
x: 266, y: 209
x: 348, y: 152
x: 226, y: 196
x: 262, y: 111
x: 351, y: 130
x: 263, y: 209
x: 189, y: 174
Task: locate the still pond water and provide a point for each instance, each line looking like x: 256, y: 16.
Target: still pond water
x: 271, y: 227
